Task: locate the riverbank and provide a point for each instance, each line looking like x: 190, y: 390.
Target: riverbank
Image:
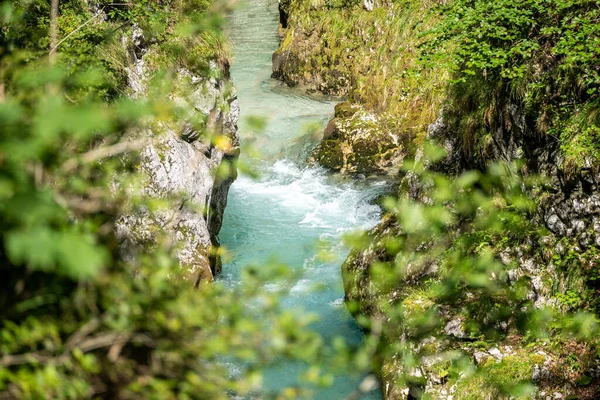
x: 486, y: 99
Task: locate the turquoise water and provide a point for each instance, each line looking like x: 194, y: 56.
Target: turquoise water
x: 285, y: 212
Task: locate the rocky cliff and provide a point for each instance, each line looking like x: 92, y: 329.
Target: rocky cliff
x: 191, y: 165
x: 361, y: 54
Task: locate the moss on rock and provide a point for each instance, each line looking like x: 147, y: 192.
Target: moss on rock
x: 349, y: 52
x: 330, y: 155
x: 345, y: 110
x: 357, y: 141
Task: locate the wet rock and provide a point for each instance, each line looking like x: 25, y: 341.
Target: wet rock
x: 330, y: 155
x: 283, y: 62
x: 330, y: 131
x: 345, y: 110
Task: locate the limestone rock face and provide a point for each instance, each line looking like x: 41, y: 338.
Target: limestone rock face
x: 187, y: 168
x: 571, y: 209
x: 293, y: 61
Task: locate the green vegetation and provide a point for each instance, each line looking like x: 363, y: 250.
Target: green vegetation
x: 539, y: 57
x: 368, y: 56
x: 372, y: 59
x: 505, y: 66
x: 462, y: 288
x: 510, y: 376
x: 437, y: 272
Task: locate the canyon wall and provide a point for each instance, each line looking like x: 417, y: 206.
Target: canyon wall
x: 192, y: 169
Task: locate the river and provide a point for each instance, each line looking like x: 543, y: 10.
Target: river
x: 291, y: 207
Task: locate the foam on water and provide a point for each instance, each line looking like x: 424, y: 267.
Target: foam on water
x: 306, y: 193
x: 337, y: 303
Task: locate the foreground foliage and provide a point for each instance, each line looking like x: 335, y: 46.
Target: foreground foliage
x: 464, y: 286
x: 78, y: 318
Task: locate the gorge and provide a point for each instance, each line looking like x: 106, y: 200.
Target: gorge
x: 475, y: 93
x: 338, y: 199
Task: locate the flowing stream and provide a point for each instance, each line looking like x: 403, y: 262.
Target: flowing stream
x: 290, y: 207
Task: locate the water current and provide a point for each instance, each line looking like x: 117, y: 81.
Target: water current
x: 292, y: 206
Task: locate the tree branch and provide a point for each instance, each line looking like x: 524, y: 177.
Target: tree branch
x: 94, y: 343
x: 53, y: 30
x: 19, y: 359
x: 82, y: 332
x: 104, y: 152
x: 53, y: 48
